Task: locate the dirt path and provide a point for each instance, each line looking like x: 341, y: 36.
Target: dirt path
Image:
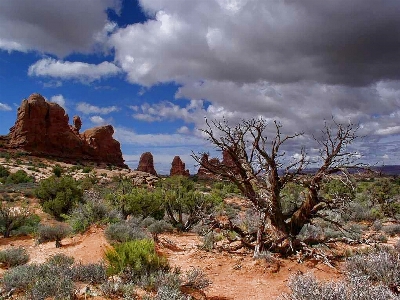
x: 85, y: 248
x: 236, y: 276
x: 233, y: 276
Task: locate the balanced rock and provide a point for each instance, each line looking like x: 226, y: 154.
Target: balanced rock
x: 146, y: 163
x: 178, y: 167
x: 77, y: 124
x: 42, y: 129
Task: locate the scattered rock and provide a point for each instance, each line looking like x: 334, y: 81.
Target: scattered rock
x: 178, y: 167
x: 146, y: 163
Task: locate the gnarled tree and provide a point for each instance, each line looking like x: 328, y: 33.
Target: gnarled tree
x: 261, y: 169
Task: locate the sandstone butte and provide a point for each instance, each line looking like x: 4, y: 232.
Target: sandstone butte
x: 42, y: 129
x: 178, y: 167
x: 146, y: 163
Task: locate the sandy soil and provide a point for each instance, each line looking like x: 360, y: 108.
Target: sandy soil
x: 233, y: 276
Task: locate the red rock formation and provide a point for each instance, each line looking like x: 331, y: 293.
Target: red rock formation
x: 203, y: 173
x: 146, y: 163
x: 77, y: 124
x: 178, y: 167
x: 99, y: 143
x: 42, y: 129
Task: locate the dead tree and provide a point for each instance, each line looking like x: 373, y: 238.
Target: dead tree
x: 261, y: 170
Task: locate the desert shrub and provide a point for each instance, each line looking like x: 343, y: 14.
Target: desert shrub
x: 158, y: 226
x: 58, y: 195
x: 391, y: 229
x: 377, y: 225
x: 382, y: 238
x: 305, y: 287
x: 54, y: 278
x: 87, y: 169
x: 167, y: 292
x: 208, y: 241
x: 12, y: 218
x: 195, y: 278
x: 137, y: 258
x: 88, y: 181
x: 61, y: 260
x: 311, y: 233
x: 53, y: 285
x: 124, y: 232
x: 361, y: 211
x: 57, y: 170
x: 184, y: 204
x: 92, y: 273
x: 392, y: 208
x: 369, y: 276
x: 18, y: 177
x: 337, y: 189
x: 28, y: 226
x: 93, y: 211
x: 380, y: 265
x: 397, y: 246
x: 47, y: 233
x: 13, y: 257
x: 292, y: 197
x: 137, y: 201
x: 4, y: 173
x: 40, y: 281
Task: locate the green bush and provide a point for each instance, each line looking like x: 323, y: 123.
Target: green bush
x: 14, y: 257
x: 13, y: 218
x: 55, y: 233
x: 57, y: 170
x: 4, y: 173
x: 58, y: 195
x: 136, y: 201
x: 18, y: 177
x: 137, y: 258
x: 87, y: 169
x: 184, y: 204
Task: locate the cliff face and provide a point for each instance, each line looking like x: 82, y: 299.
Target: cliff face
x: 42, y: 129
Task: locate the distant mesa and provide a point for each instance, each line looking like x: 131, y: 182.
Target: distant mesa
x: 178, y: 167
x: 42, y: 129
x: 146, y: 163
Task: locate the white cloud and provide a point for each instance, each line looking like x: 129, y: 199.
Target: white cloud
x: 183, y: 130
x: 5, y: 107
x: 72, y: 70
x: 56, y: 27
x: 389, y: 130
x: 87, y: 109
x: 98, y: 120
x: 59, y: 99
x: 127, y: 136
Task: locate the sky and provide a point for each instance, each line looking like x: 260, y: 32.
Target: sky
x: 155, y: 69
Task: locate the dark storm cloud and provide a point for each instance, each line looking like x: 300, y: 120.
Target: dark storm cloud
x: 56, y: 27
x: 335, y: 42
